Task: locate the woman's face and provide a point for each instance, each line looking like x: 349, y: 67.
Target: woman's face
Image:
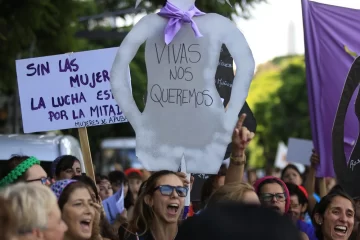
x: 273, y: 196
x: 338, y: 220
x: 296, y: 209
x: 56, y: 226
x: 36, y: 175
x: 105, y: 189
x: 292, y: 176
x: 71, y: 172
x: 134, y: 184
x: 168, y: 208
x: 78, y: 213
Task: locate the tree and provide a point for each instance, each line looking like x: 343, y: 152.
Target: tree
x: 35, y: 28
x: 283, y: 111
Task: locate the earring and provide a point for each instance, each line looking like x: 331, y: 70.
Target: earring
x: 320, y: 223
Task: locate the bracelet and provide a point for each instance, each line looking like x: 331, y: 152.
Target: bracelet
x: 237, y: 160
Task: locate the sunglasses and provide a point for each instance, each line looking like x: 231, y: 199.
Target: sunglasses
x: 267, y: 197
x: 43, y: 180
x: 167, y: 190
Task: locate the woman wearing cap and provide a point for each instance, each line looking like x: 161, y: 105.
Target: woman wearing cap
x: 298, y: 207
x: 135, y: 178
x: 158, y: 208
x: 36, y: 212
x: 79, y: 211
x: 23, y: 169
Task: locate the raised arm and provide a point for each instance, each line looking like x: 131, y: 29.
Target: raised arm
x: 339, y: 158
x: 245, y: 65
x: 240, y: 140
x: 119, y: 72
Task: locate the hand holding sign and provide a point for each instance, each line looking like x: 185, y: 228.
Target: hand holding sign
x: 241, y: 137
x: 186, y: 182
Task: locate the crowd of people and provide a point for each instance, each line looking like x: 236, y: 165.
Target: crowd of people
x: 139, y: 205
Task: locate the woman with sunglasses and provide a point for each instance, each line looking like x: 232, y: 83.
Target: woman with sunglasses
x: 158, y: 209
x: 23, y: 169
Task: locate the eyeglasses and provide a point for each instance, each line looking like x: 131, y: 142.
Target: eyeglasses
x: 167, y: 190
x: 267, y: 197
x: 43, y: 180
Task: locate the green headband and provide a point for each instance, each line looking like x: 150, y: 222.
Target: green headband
x: 19, y: 171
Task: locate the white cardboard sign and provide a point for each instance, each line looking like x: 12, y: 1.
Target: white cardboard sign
x: 184, y: 115
x: 299, y: 150
x: 280, y: 159
x: 67, y: 91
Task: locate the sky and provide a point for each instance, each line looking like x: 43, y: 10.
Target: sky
x: 267, y: 31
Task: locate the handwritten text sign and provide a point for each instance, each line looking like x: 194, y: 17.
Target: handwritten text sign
x: 184, y: 116
x: 67, y: 91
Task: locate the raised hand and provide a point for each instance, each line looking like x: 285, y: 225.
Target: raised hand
x: 241, y: 137
x: 314, y: 159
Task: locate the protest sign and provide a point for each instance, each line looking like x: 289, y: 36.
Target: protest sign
x: 184, y: 115
x: 67, y: 91
x: 332, y: 35
x: 299, y: 151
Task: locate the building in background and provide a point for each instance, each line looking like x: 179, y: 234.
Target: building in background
x: 291, y: 39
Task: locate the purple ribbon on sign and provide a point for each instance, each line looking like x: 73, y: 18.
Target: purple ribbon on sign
x: 177, y: 18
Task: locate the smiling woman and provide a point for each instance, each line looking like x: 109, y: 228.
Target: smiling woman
x: 334, y: 216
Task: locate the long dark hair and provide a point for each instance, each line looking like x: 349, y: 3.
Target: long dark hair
x: 321, y: 207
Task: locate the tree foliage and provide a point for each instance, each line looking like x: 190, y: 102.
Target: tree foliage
x: 35, y: 28
x: 239, y: 7
x: 278, y: 97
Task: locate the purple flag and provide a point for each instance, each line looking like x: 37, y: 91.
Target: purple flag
x: 332, y: 41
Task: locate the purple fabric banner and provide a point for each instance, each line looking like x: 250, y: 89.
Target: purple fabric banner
x: 332, y: 38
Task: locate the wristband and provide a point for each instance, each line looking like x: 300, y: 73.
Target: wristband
x: 239, y: 161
